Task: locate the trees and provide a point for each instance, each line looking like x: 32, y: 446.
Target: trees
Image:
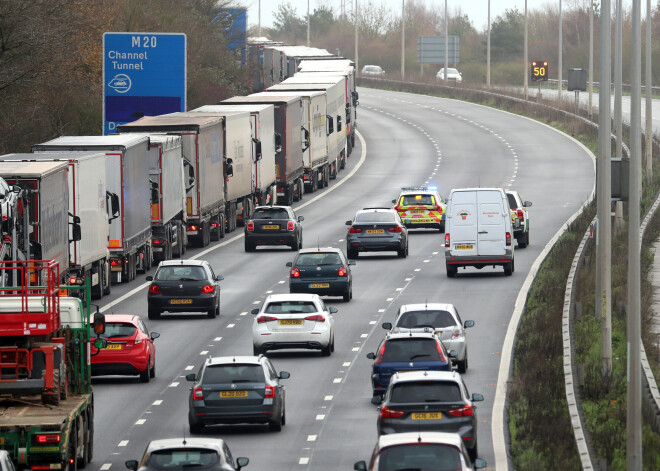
x: 507, y: 35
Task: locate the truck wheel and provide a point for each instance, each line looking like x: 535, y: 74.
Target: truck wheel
x: 90, y: 430
x: 82, y: 459
x: 52, y: 398
x: 508, y: 269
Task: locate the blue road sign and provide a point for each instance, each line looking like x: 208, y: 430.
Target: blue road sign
x: 144, y: 74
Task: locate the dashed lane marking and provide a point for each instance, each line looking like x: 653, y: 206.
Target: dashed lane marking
x: 123, y: 443
x: 174, y: 384
x: 157, y: 402
x: 190, y: 367
x: 320, y: 417
x: 364, y: 336
x: 336, y: 380
x: 303, y: 460
x: 311, y: 438
x: 106, y: 466
x: 217, y: 339
x: 204, y: 352
x: 327, y: 398
x: 230, y: 326
x: 140, y: 422
x: 346, y: 363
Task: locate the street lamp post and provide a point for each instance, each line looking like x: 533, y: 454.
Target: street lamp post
x: 357, y: 63
x: 488, y: 50
x: 649, y: 96
x: 403, y: 39
x: 526, y: 59
x: 559, y: 67
x: 446, y: 47
x: 307, y: 23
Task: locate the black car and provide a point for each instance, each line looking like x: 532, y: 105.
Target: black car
x: 376, y: 230
x: 323, y: 271
x: 273, y: 225
x: 184, y: 286
x: 431, y: 401
x: 234, y: 390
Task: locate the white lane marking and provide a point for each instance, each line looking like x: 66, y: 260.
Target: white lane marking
x: 217, y: 339
x: 427, y: 261
x: 245, y: 312
x: 157, y: 402
x: 269, y: 291
x: 372, y: 322
x: 174, y: 384
x: 105, y: 466
x: 418, y: 269
x: 389, y: 299
x: 311, y: 438
x: 336, y: 380
x: 435, y: 253
x: 256, y: 302
x: 381, y: 310
x: 407, y: 279
x: 204, y: 352
x: 190, y: 367
x: 230, y: 326
x: 327, y: 398
x: 140, y: 422
x: 320, y: 417
x: 303, y: 460
x: 281, y: 282
x: 399, y: 289
x: 364, y: 336
x: 346, y: 363
x: 355, y: 349
x: 123, y: 443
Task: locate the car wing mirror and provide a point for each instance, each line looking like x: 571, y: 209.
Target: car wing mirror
x: 289, y: 264
x: 453, y: 354
x: 360, y: 466
x: 348, y: 223
x: 191, y: 377
x: 219, y: 278
x: 133, y: 464
x: 333, y: 310
x: 387, y: 325
x: 393, y: 201
x: 527, y: 204
x: 476, y: 397
x: 480, y: 463
x: 254, y: 311
x: 241, y: 462
x: 371, y: 355
x: 467, y: 324
x: 284, y: 375
x: 301, y: 218
x: 154, y: 335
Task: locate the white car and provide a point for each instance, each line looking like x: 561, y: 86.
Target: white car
x: 294, y: 321
x: 453, y: 75
x: 373, y: 70
x: 445, y: 321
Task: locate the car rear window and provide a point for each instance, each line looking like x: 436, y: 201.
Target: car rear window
x: 233, y: 373
x: 512, y: 201
x: 375, y: 217
x: 418, y: 319
x: 426, y: 391
x: 318, y: 258
x: 419, y: 457
x: 270, y: 213
x: 410, y: 350
x: 290, y: 307
x: 417, y: 199
x: 180, y: 273
x: 182, y: 458
x: 118, y: 329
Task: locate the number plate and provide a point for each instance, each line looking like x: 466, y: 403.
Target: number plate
x: 113, y: 347
x: 375, y: 231
x: 427, y: 415
x: 180, y: 301
x: 291, y: 322
x: 271, y: 226
x: 319, y: 285
x: 2, y: 440
x: 233, y: 393
x: 464, y: 247
x: 418, y: 211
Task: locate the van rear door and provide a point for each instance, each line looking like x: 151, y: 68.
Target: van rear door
x: 463, y: 224
x: 491, y: 224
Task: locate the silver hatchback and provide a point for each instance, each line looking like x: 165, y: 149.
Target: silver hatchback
x: 445, y: 321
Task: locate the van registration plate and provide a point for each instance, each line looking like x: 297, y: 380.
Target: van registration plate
x: 464, y: 246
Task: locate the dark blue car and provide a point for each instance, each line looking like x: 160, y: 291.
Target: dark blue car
x: 410, y: 351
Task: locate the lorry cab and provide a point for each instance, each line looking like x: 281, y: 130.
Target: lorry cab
x: 478, y: 230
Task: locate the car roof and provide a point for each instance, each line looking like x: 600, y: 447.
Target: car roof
x: 376, y: 210
x: 193, y: 442
x: 291, y: 297
x: 413, y: 438
x: 274, y: 206
x: 169, y: 263
x: 233, y: 359
x: 427, y: 307
x: 320, y: 249
x: 427, y: 333
x: 427, y: 375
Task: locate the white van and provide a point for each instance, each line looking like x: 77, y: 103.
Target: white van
x: 478, y: 230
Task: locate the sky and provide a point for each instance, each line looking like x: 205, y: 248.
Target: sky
x: 476, y: 10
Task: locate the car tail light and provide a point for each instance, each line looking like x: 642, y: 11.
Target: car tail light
x: 466, y: 411
x: 439, y: 209
x: 387, y: 413
x: 137, y: 341
x: 208, y: 289
x: 508, y: 239
x: 269, y: 392
x: 381, y: 352
x: 394, y: 229
x: 521, y: 215
x: 250, y: 226
x: 316, y: 318
x: 457, y: 333
x: 290, y: 226
x: 354, y: 230
x: 48, y: 438
x: 295, y: 273
x: 342, y: 271
x: 441, y: 353
x: 447, y: 241
x: 262, y: 319
x: 154, y: 289
x: 198, y: 395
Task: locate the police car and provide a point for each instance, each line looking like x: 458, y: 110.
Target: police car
x: 519, y: 217
x: 421, y: 206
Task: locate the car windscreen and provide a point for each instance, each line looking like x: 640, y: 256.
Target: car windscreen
x: 180, y: 273
x: 182, y: 458
x: 418, y: 319
x: 411, y: 349
x: 425, y: 391
x: 270, y: 213
x: 409, y: 200
x: 512, y: 201
x: 290, y: 307
x: 233, y: 373
x: 118, y: 329
x: 318, y: 259
x: 420, y: 457
x: 375, y: 217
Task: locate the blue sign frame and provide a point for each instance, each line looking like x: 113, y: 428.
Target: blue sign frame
x: 144, y: 74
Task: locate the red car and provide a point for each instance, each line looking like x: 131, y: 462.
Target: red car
x: 130, y: 349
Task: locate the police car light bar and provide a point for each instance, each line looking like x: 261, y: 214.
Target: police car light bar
x: 423, y: 188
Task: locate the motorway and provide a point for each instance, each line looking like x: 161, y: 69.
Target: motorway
x: 406, y: 140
